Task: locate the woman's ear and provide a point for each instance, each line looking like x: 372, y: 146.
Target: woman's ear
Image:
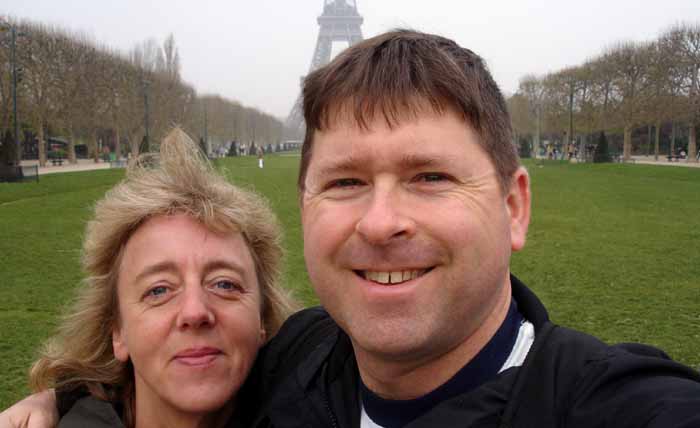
x: 263, y: 334
x: 121, y: 351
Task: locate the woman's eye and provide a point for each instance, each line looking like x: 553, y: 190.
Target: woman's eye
x: 157, y: 291
x: 226, y: 285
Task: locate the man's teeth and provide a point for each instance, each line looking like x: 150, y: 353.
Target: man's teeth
x: 393, y: 277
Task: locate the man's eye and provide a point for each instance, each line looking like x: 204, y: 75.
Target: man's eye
x: 432, y: 177
x: 344, y: 182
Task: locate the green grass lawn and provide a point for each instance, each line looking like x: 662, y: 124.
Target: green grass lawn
x: 613, y: 250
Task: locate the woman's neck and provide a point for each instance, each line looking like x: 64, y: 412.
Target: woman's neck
x: 163, y: 416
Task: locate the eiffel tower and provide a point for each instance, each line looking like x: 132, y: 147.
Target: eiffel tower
x: 340, y: 22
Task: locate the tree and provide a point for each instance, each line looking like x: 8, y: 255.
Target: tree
x: 9, y: 149
x: 95, y: 94
x: 687, y: 38
x: 631, y: 67
x: 533, y: 89
x: 602, y: 153
x: 40, y: 83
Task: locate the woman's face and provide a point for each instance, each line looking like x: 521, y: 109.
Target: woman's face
x: 189, y: 306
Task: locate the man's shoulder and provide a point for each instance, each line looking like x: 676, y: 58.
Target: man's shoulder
x: 304, y: 333
x: 588, y: 380
x: 307, y: 327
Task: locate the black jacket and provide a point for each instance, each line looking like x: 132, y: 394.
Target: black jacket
x: 91, y: 412
x: 308, y: 377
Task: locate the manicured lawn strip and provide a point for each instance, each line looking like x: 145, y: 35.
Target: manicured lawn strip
x: 53, y: 184
x: 612, y: 250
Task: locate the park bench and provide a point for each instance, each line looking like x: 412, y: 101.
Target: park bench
x: 57, y: 161
x: 674, y: 158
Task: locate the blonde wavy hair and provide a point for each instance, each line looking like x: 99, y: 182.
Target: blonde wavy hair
x: 178, y: 180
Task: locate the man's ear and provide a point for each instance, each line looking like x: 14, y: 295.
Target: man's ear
x: 121, y: 351
x: 518, y: 204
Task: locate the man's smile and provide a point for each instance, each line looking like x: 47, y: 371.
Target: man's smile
x: 392, y: 277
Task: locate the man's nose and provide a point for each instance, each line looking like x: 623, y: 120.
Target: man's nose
x: 385, y: 218
x: 195, y: 309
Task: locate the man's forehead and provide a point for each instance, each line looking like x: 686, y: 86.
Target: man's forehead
x: 387, y: 111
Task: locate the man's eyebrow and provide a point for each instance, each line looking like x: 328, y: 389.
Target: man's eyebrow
x: 407, y: 161
x: 418, y: 161
x: 347, y: 163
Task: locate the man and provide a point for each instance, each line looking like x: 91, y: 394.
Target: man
x: 412, y: 200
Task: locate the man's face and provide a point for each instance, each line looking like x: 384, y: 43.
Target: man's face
x: 408, y: 235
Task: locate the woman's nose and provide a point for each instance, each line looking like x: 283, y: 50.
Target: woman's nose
x: 195, y: 310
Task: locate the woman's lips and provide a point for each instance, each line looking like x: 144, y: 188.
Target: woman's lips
x: 197, y: 356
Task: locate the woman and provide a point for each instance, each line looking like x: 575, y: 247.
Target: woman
x: 181, y: 292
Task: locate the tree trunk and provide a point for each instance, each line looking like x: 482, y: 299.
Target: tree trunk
x: 570, y: 140
x: 648, y: 140
x: 627, y: 144
x: 672, y: 148
x: 95, y: 147
x: 657, y: 131
x: 71, y: 146
x: 692, y: 144
x: 42, y: 144
x: 117, y: 144
x: 134, y: 142
x: 536, y: 146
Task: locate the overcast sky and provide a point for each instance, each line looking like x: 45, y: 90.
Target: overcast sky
x: 254, y: 51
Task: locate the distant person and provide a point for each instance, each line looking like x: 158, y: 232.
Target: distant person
x: 412, y: 201
x: 261, y: 160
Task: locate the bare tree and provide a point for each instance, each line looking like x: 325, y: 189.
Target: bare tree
x: 533, y: 90
x: 39, y: 84
x: 687, y: 39
x: 631, y: 68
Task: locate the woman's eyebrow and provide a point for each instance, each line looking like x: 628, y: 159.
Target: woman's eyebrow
x: 164, y: 266
x: 228, y: 264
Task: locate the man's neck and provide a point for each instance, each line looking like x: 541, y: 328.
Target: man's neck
x: 407, y: 379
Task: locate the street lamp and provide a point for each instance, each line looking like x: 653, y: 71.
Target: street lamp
x: 206, y: 131
x: 13, y: 59
x: 147, y: 138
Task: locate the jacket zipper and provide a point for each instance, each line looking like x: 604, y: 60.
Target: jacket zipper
x: 334, y: 422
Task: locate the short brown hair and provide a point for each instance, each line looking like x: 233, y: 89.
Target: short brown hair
x: 397, y: 75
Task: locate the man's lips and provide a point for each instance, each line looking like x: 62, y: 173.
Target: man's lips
x: 197, y: 356
x: 392, y: 277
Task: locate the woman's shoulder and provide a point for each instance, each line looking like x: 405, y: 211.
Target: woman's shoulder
x: 93, y: 412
